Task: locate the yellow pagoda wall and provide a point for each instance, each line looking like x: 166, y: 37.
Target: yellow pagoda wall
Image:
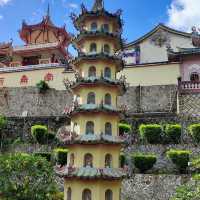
x: 100, y: 92
x: 98, y: 188
x: 99, y: 120
x: 98, y: 151
x: 13, y: 79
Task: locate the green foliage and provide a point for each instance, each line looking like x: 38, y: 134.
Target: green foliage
x: 46, y: 155
x: 144, y: 162
x: 180, y: 158
x: 173, y: 133
x: 61, y: 156
x: 3, y: 122
x: 124, y: 128
x: 58, y: 196
x: 24, y: 176
x: 194, y: 130
x: 42, y: 86
x: 187, y: 192
x: 151, y: 133
x: 41, y: 135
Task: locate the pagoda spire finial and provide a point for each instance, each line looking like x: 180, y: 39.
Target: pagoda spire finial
x: 98, y: 5
x: 48, y: 10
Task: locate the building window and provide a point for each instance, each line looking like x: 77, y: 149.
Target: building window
x: 91, y: 98
x: 108, y: 128
x: 48, y: 77
x: 194, y: 77
x: 105, y: 28
x: 24, y: 79
x: 108, y: 99
x: 71, y: 162
x: 107, y: 72
x: 108, y: 161
x: 88, y: 160
x: 69, y: 193
x: 106, y: 49
x: 89, y: 128
x: 92, y: 72
x: 87, y: 195
x: 108, y: 195
x: 93, y: 48
x: 94, y: 27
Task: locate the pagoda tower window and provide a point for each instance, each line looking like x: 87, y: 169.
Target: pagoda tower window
x: 69, y: 193
x: 88, y: 160
x: 194, y: 77
x: 89, y: 128
x: 93, y: 48
x: 106, y: 49
x: 87, y: 195
x: 91, y: 98
x: 108, y: 128
x: 107, y: 72
x: 94, y: 27
x: 108, y: 161
x: 105, y: 28
x: 92, y: 72
x: 108, y: 195
x: 108, y: 99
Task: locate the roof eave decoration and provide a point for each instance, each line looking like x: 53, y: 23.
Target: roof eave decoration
x: 159, y: 26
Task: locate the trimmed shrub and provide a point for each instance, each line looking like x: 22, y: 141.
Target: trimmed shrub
x: 144, y: 162
x: 151, y: 133
x: 46, y: 155
x: 180, y: 158
x: 173, y: 133
x: 194, y: 130
x: 3, y: 122
x: 61, y: 156
x: 42, y: 86
x: 124, y: 128
x: 39, y: 133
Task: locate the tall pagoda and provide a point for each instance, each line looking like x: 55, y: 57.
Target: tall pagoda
x: 93, y: 171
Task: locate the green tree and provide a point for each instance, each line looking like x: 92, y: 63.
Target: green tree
x: 26, y: 177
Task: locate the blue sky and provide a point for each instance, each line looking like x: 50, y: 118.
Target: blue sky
x: 139, y: 16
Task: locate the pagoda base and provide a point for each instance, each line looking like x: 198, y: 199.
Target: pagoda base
x: 98, y: 189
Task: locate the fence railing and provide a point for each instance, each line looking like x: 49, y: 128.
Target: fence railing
x: 189, y: 86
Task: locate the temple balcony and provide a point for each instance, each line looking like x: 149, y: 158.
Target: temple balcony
x: 188, y: 86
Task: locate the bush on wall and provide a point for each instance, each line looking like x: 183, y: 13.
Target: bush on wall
x: 144, y: 162
x: 180, y: 158
x: 42, y: 86
x: 124, y: 128
x: 61, y: 156
x: 41, y: 135
x: 152, y: 133
x: 173, y: 133
x: 194, y: 130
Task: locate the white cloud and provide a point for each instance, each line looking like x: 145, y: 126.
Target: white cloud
x: 1, y: 17
x: 4, y: 2
x: 73, y: 5
x: 183, y: 14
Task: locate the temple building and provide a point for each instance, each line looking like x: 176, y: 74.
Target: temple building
x: 94, y: 171
x: 44, y: 56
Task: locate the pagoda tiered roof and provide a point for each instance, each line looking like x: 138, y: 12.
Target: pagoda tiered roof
x: 72, y: 138
x: 99, y: 56
x: 97, y: 10
x: 91, y: 173
x: 90, y: 81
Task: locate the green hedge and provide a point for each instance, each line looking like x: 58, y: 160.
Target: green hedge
x: 173, y: 133
x: 180, y: 158
x: 151, y: 133
x: 124, y: 128
x: 144, y: 162
x: 46, y: 155
x: 41, y: 135
x: 61, y: 156
x: 194, y: 130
